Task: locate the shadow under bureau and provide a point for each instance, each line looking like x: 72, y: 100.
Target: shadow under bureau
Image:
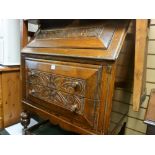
x: 69, y: 74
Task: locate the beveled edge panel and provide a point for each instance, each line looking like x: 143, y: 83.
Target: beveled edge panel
x: 92, y: 36
x: 85, y: 79
x: 99, y: 54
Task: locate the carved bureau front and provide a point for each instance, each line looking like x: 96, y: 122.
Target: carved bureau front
x: 69, y: 75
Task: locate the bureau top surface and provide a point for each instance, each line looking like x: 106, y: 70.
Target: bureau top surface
x: 100, y: 39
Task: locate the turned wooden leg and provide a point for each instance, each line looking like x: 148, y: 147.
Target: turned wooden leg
x: 25, y: 121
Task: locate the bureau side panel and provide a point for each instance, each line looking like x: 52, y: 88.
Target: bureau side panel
x: 123, y: 85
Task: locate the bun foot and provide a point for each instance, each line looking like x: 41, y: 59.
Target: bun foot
x: 25, y: 121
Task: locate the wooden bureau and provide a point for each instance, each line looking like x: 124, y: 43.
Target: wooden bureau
x: 69, y: 74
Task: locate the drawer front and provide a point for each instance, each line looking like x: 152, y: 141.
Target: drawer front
x: 71, y: 95
x: 78, y: 79
x: 72, y: 107
x: 59, y: 98
x: 52, y: 81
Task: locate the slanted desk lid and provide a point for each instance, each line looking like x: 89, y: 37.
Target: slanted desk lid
x: 101, y: 41
x: 98, y: 35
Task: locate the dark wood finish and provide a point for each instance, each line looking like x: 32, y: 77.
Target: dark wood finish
x: 150, y: 130
x: 72, y: 85
x: 25, y: 121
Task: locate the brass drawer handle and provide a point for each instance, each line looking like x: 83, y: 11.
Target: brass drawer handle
x: 74, y: 107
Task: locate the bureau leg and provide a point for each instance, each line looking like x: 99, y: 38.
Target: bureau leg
x: 25, y: 121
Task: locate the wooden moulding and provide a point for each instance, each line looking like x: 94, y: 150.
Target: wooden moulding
x: 24, y: 33
x: 140, y: 62
x: 7, y: 69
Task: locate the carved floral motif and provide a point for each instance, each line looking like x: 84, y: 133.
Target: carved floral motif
x: 56, y: 89
x: 65, y: 84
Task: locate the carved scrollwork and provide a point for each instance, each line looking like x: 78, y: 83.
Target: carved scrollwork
x: 65, y: 100
x: 65, y: 84
x: 57, y: 90
x: 37, y: 77
x: 96, y: 31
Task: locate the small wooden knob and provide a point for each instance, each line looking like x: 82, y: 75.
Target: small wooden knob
x: 32, y: 91
x: 74, y: 107
x: 75, y: 85
x: 53, y: 93
x: 24, y: 115
x: 31, y: 73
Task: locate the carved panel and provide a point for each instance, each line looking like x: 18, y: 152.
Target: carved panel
x: 68, y: 101
x: 58, y: 82
x: 96, y: 31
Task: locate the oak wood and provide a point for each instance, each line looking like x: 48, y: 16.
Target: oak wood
x: 1, y: 103
x: 85, y: 111
x: 10, y: 105
x: 8, y: 69
x: 140, y: 62
x: 24, y: 33
x: 102, y: 54
x: 96, y: 36
x: 70, y: 72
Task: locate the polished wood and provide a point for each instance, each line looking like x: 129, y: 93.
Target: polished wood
x: 96, y: 36
x: 1, y: 103
x: 98, y: 54
x: 140, y: 62
x: 24, y: 33
x: 25, y: 120
x: 10, y: 105
x: 73, y: 86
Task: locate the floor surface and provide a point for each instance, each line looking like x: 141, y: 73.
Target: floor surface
x: 45, y: 129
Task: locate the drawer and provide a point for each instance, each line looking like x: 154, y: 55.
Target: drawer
x: 59, y: 98
x: 69, y: 90
x: 79, y: 79
x: 69, y: 106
